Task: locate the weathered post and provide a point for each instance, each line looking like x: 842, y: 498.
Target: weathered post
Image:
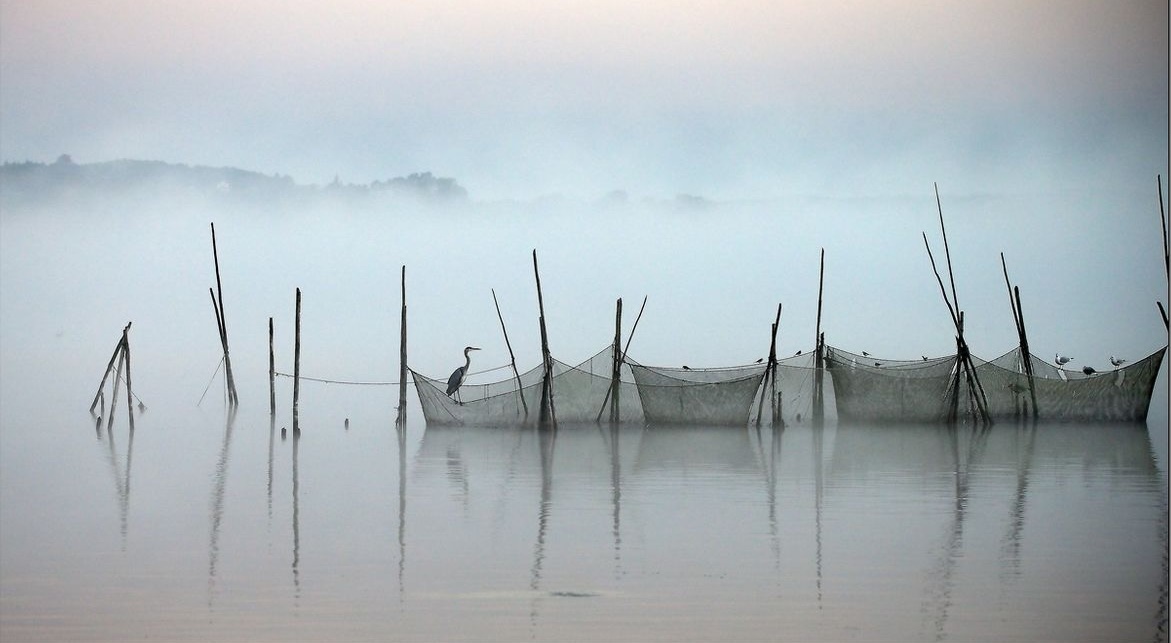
x: 271, y: 374
x: 400, y: 420
x: 548, y: 414
x: 512, y: 358
x: 297, y: 367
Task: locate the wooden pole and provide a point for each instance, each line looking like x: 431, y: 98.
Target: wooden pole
x: 271, y: 374
x: 297, y: 366
x: 401, y: 417
x: 106, y: 375
x: 819, y: 353
x: 616, y: 373
x: 1163, y: 219
x: 512, y: 358
x: 117, y: 386
x: 547, y: 414
x: 129, y: 390
x: 629, y: 338
x: 223, y: 321
x: 1027, y: 354
x: 772, y: 360
x: 946, y: 249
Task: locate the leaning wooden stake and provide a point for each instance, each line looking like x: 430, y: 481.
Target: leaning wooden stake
x: 768, y: 385
x: 1166, y: 252
x: 109, y: 369
x: 400, y: 420
x: 511, y: 357
x: 297, y: 366
x: 1014, y: 300
x: 548, y: 414
x: 223, y: 322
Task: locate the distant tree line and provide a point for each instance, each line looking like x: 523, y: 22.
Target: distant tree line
x: 32, y: 182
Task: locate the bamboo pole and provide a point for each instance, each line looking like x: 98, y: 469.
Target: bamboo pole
x: 401, y: 417
x: 117, y: 386
x: 1027, y: 353
x: 1166, y: 252
x: 947, y: 251
x: 548, y: 412
x: 512, y: 357
x: 772, y: 359
x: 223, y: 322
x: 818, y: 353
x: 297, y: 367
x: 617, y: 363
x: 629, y: 338
x: 129, y: 390
x: 106, y: 375
x: 271, y: 374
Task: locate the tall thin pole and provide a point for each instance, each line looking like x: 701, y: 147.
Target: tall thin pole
x: 818, y: 356
x: 946, y: 249
x: 617, y: 363
x: 106, y: 375
x: 271, y: 373
x: 548, y: 413
x: 401, y: 418
x: 511, y: 357
x: 129, y: 391
x: 223, y: 322
x: 297, y: 367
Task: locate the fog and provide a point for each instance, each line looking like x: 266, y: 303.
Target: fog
x: 1088, y: 266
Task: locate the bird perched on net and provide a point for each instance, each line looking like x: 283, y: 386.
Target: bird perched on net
x: 1088, y: 370
x: 1061, y: 360
x: 460, y: 374
x: 1116, y: 362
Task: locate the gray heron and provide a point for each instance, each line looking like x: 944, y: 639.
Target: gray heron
x: 460, y: 374
x: 1061, y: 360
x: 1116, y: 362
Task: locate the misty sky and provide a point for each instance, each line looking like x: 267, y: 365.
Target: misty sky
x: 516, y: 99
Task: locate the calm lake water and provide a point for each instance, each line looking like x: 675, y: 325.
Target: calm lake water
x: 198, y: 526
x: 201, y: 527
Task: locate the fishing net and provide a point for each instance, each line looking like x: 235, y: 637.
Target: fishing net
x: 1119, y: 395
x: 580, y: 394
x: 881, y: 390
x: 713, y: 396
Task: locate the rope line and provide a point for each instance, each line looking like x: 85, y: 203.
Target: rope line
x: 375, y: 383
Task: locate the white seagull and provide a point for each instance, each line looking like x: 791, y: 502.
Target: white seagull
x: 1061, y: 360
x: 1117, y: 362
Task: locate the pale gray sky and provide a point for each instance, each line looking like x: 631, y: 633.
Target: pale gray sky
x: 521, y: 98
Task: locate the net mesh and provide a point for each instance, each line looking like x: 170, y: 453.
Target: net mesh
x: 859, y: 388
x: 716, y: 397
x: 1119, y: 395
x: 881, y: 390
x: 580, y: 394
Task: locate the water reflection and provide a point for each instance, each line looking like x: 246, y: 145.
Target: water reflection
x: 909, y: 533
x: 219, y: 488
x: 121, y: 475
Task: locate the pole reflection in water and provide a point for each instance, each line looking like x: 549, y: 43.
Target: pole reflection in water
x: 825, y: 533
x: 296, y: 523
x: 121, y: 477
x: 217, y: 505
